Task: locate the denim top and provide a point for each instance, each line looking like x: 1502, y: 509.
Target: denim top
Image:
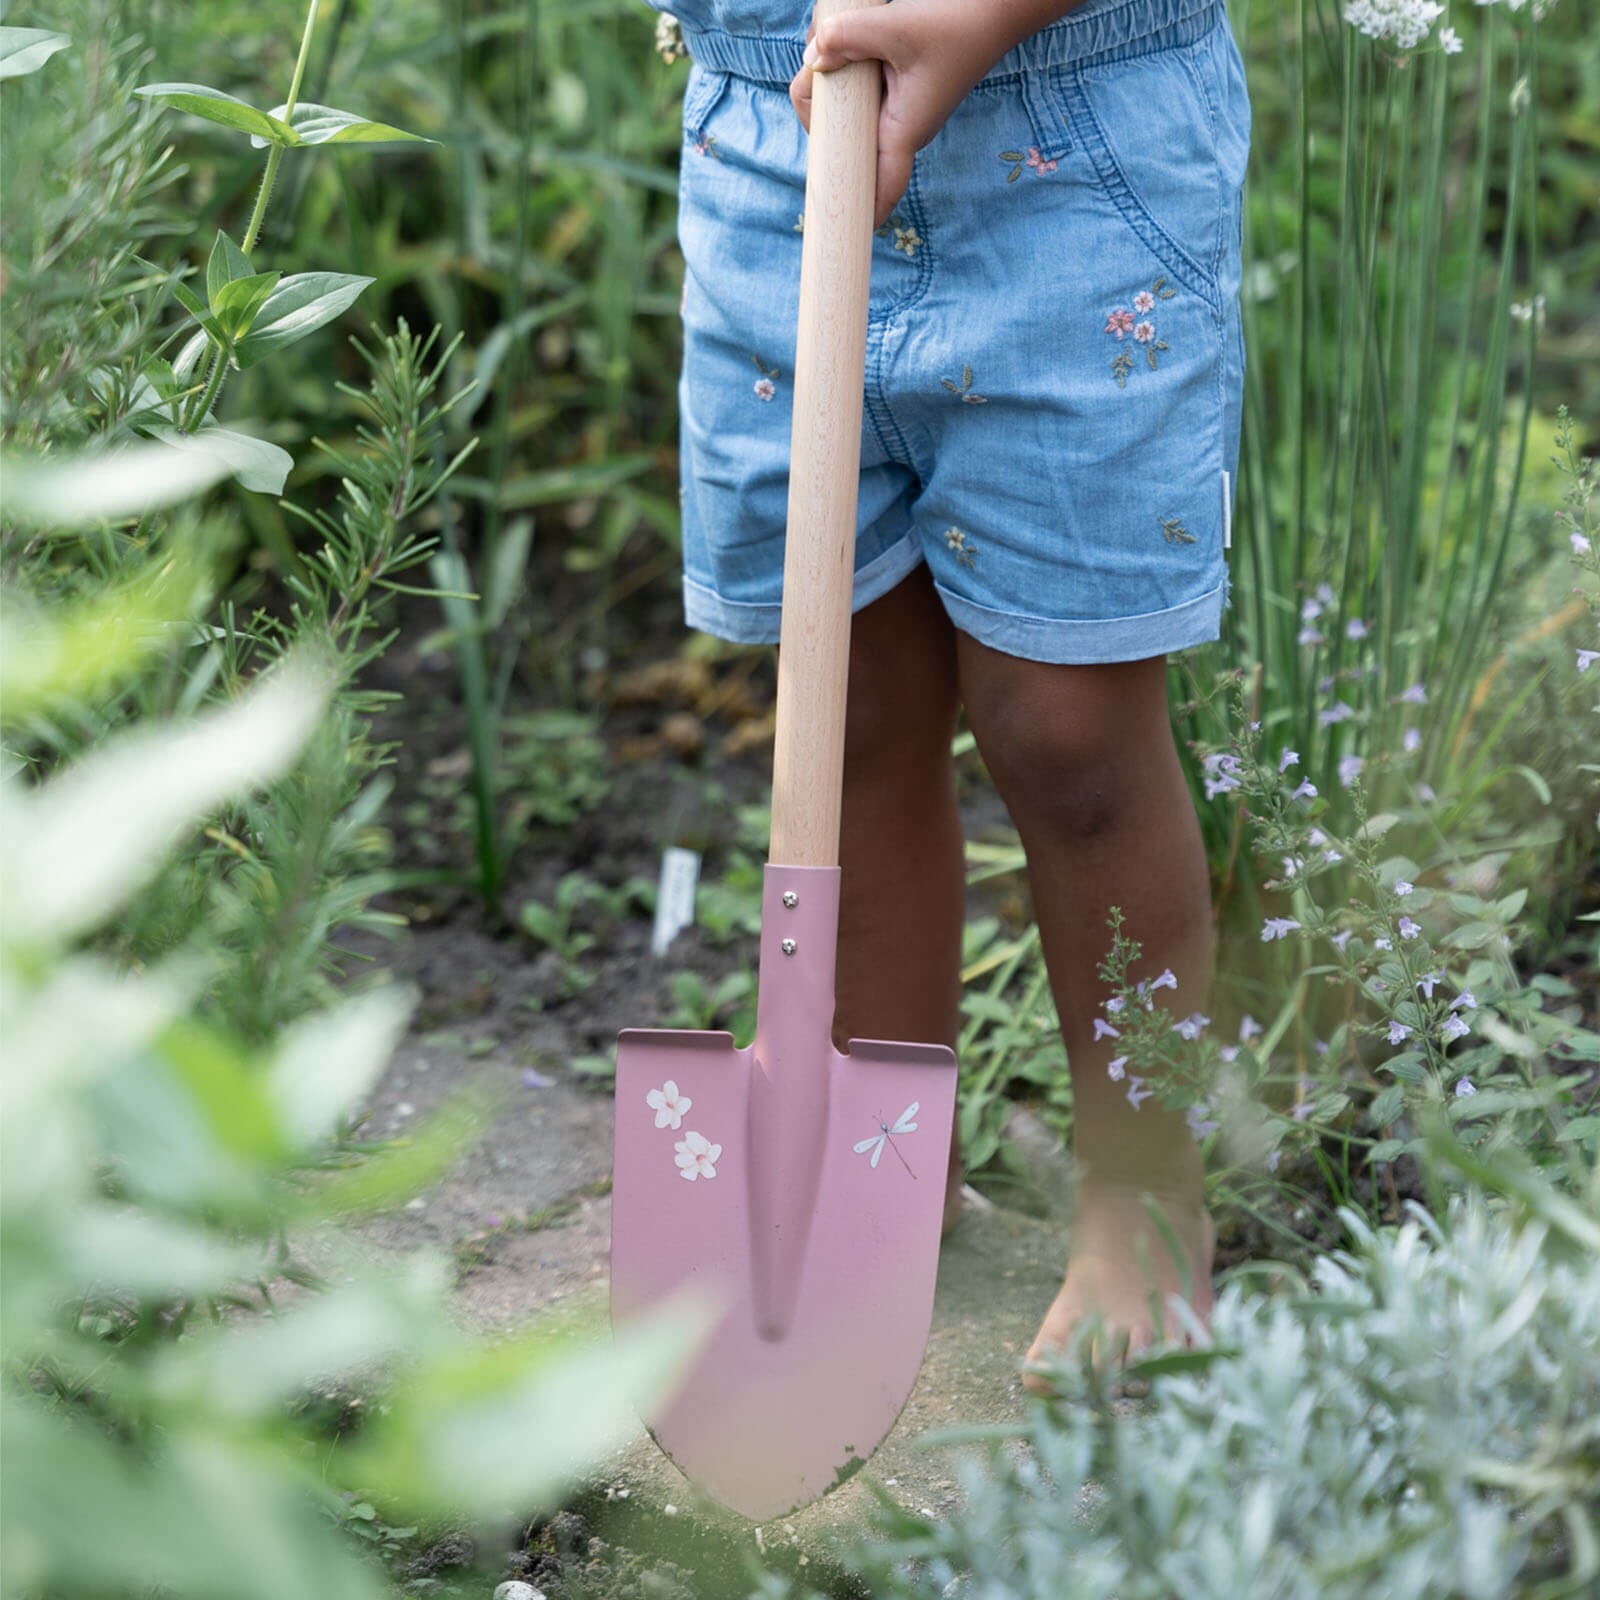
x: 763, y: 39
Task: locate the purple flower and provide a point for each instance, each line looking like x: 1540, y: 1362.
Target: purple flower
x: 1355, y: 628
x: 1273, y: 1160
x: 1464, y: 1086
x: 1277, y: 928
x: 1137, y: 1092
x: 1114, y: 1068
x: 1454, y: 1028
x: 1200, y: 1124
x: 1398, y: 1032
x: 1350, y: 769
x: 1337, y: 712
x: 535, y: 1080
x: 1102, y: 1028
x: 1288, y: 758
x: 1416, y: 695
x: 492, y: 1220
x: 1191, y: 1025
x: 1408, y: 928
x: 1580, y: 545
x: 1587, y: 658
x: 1464, y: 999
x: 1381, y: 943
x: 1426, y: 791
x: 1307, y: 788
x: 1412, y: 740
x: 1165, y: 980
x: 1291, y: 865
x: 1427, y: 981
x: 1340, y: 940
x: 1115, y: 1003
x: 1229, y: 1052
x: 1309, y: 636
x: 1249, y: 1028
x: 1402, y: 888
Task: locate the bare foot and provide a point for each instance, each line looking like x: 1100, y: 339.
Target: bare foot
x: 1112, y: 1236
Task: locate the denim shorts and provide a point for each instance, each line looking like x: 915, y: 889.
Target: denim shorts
x: 1054, y: 359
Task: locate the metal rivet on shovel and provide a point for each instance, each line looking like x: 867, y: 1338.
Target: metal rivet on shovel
x: 798, y: 1188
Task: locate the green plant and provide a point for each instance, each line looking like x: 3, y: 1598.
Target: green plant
x: 1417, y: 1419
x: 155, y: 1333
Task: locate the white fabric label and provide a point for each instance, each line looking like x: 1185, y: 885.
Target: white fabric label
x: 680, y: 873
x: 1227, y: 512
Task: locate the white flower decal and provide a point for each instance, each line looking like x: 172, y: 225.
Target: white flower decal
x: 697, y: 1157
x: 668, y: 1105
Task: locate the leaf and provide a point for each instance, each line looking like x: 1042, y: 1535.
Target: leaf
x: 255, y: 464
x: 325, y: 1064
x: 237, y: 303
x: 953, y: 388
x: 1470, y: 935
x: 314, y: 124
x: 301, y: 303
x: 227, y: 264
x: 966, y: 377
x: 25, y: 50
x: 72, y: 850
x: 227, y: 109
x: 1011, y: 155
x: 108, y: 485
x: 1179, y: 1361
x: 1014, y: 174
x: 1388, y: 1105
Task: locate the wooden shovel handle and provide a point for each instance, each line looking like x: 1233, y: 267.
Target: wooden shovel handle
x: 825, y: 460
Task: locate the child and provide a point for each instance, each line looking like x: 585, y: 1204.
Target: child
x: 1054, y: 367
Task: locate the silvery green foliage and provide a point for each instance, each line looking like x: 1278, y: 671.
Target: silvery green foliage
x: 1423, y: 1424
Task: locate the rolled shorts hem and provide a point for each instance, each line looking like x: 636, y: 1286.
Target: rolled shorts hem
x: 1066, y: 642
x: 744, y: 622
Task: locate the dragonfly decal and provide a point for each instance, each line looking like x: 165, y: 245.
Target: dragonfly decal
x: 885, y: 1136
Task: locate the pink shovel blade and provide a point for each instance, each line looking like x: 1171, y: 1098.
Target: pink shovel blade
x: 802, y: 1190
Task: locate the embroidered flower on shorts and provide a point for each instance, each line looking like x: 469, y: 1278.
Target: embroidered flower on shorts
x: 1120, y: 323
x: 1026, y: 158
x: 907, y: 239
x: 705, y: 144
x: 763, y: 386
x: 957, y: 541
x: 1175, y: 532
x: 964, y: 389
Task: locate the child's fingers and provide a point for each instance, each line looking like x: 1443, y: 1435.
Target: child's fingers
x: 863, y: 35
x: 800, y: 96
x: 894, y: 173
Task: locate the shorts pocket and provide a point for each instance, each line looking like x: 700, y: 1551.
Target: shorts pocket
x: 701, y: 95
x: 1147, y: 129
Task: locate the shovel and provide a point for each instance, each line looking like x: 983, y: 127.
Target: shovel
x: 799, y: 1190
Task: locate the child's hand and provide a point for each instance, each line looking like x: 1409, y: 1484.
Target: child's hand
x: 933, y: 52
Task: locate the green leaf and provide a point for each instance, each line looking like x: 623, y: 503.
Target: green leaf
x: 25, y: 50
x: 254, y: 463
x: 237, y: 303
x: 1471, y: 935
x: 1388, y: 1105
x: 227, y: 109
x: 314, y: 124
x: 70, y: 491
x: 299, y: 305
x: 190, y: 301
x: 227, y: 264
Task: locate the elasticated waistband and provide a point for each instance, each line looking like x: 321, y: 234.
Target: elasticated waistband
x: 1093, y: 33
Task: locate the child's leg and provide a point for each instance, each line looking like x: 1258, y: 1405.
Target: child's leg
x: 1085, y: 760
x: 903, y: 885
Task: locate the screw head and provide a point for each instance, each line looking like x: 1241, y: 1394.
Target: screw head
x: 790, y: 899
x: 788, y: 947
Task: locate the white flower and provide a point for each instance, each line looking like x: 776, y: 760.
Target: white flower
x: 669, y: 1105
x: 1405, y: 23
x: 1277, y: 928
x: 1450, y: 41
x: 763, y: 389
x: 1381, y: 943
x: 697, y: 1157
x: 1427, y: 981
x: 1291, y: 865
x: 1249, y: 1028
x: 1409, y: 929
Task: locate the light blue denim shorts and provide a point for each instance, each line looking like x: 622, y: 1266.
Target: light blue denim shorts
x: 1054, y: 360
